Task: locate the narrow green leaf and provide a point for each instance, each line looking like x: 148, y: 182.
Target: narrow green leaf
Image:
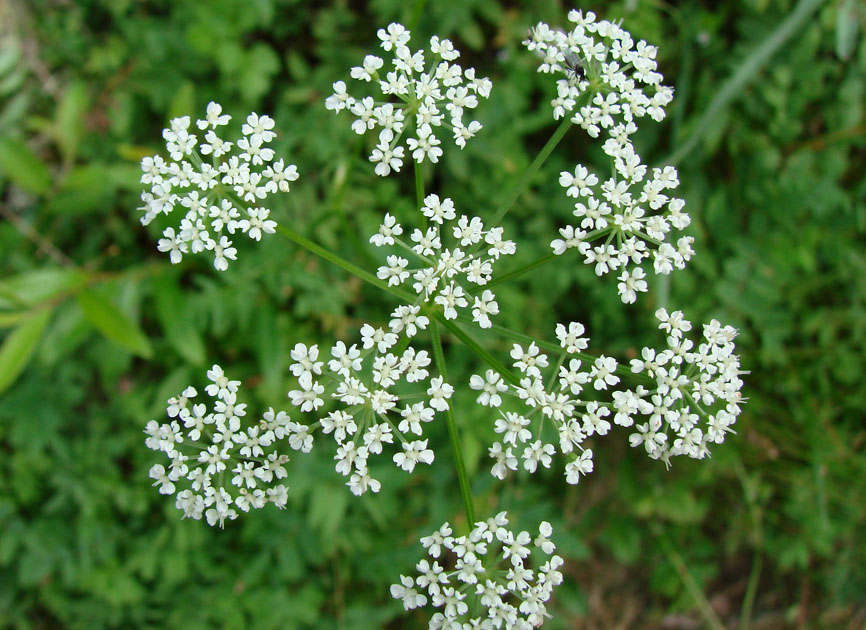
x: 69, y: 122
x: 32, y: 287
x: 8, y: 319
x: 18, y: 347
x: 20, y: 164
x: 176, y: 320
x: 183, y: 103
x: 113, y: 323
x: 847, y: 25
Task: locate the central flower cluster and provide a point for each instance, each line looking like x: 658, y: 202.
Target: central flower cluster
x: 471, y: 259
x: 430, y: 95
x: 364, y: 380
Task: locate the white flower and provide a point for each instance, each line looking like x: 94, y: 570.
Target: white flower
x: 530, y: 360
x: 425, y: 96
x: 406, y: 592
x: 444, y: 270
x: 517, y: 598
x: 706, y: 379
x: 387, y: 231
x: 192, y: 184
x: 581, y: 466
x: 602, y: 372
x: 490, y: 386
x: 214, y: 443
x: 570, y: 338
x: 369, y: 418
x: 439, y: 393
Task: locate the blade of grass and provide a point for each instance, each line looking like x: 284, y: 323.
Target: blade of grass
x: 745, y: 73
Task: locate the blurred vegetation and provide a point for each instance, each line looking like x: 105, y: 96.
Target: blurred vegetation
x: 98, y: 330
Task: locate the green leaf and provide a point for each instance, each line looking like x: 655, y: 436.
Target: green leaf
x: 69, y: 122
x: 18, y: 347
x: 20, y: 164
x: 177, y: 322
x: 846, y: 29
x: 8, y: 319
x: 183, y: 103
x: 86, y: 189
x: 113, y: 323
x: 32, y: 287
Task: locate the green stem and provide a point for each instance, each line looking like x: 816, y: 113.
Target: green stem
x: 344, y: 264
x: 419, y: 185
x: 751, y: 495
x: 476, y: 348
x: 541, y: 261
x: 564, y: 126
x: 462, y: 477
x: 746, y: 71
x: 521, y: 270
x: 710, y: 618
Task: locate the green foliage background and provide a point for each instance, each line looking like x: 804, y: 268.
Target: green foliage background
x: 98, y: 330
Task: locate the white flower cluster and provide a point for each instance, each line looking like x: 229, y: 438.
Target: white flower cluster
x: 438, y: 279
x: 600, y: 58
x: 631, y: 217
x: 427, y: 97
x: 691, y: 384
x: 563, y: 419
x: 474, y: 590
x: 227, y: 465
x: 631, y: 214
x: 219, y: 196
x: 372, y: 415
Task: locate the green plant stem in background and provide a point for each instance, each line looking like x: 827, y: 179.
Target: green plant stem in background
x: 462, y: 477
x: 522, y: 270
x: 473, y: 345
x: 419, y: 185
x: 750, y: 493
x: 531, y: 170
x: 746, y: 71
x: 710, y: 618
x: 342, y: 263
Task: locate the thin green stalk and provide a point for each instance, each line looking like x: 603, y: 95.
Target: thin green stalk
x: 476, y: 348
x: 540, y: 261
x: 710, y: 618
x: 462, y: 476
x: 751, y: 591
x: 746, y: 71
x: 419, y: 184
x: 521, y: 270
x: 515, y: 192
x: 344, y: 264
x: 751, y: 495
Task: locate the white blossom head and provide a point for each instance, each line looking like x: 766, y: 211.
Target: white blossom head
x: 696, y: 393
x: 369, y: 397
x: 219, y: 186
x: 544, y: 415
x: 425, y: 93
x: 219, y: 461
x: 606, y: 78
x: 491, y: 578
x: 452, y: 259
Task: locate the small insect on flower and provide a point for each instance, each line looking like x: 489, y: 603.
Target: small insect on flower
x: 574, y: 69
